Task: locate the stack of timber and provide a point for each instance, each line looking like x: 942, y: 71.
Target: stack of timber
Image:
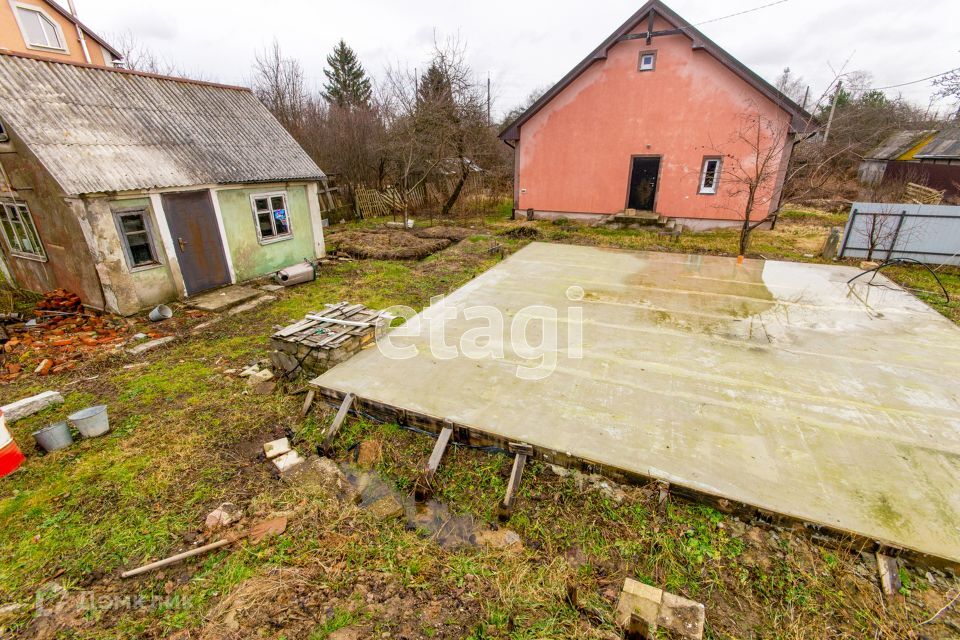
x: 326, y: 338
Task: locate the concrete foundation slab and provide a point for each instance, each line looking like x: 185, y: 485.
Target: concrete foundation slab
x: 222, y: 299
x: 770, y: 384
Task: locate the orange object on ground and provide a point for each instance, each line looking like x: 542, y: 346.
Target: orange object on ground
x: 10, y: 456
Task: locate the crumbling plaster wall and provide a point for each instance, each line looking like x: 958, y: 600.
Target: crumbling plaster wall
x: 127, y: 290
x: 69, y: 263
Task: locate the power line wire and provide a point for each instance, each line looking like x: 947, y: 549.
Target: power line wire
x: 740, y: 13
x: 903, y: 84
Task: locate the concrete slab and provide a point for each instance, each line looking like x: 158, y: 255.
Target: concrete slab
x: 222, y: 299
x: 770, y: 384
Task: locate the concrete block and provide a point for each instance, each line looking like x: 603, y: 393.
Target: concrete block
x: 152, y: 344
x: 29, y: 406
x: 276, y: 448
x: 642, y: 599
x: 682, y: 616
x: 287, y: 461
x: 264, y: 375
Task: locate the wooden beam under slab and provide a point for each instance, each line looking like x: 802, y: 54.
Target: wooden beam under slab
x: 308, y: 403
x: 519, y: 462
x: 338, y: 422
x: 425, y: 483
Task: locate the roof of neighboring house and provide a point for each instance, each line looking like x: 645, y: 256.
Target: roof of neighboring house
x: 801, y: 121
x: 72, y: 18
x: 99, y: 129
x: 944, y: 146
x: 899, y: 143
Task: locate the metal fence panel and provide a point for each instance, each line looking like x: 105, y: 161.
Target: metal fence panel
x: 927, y: 233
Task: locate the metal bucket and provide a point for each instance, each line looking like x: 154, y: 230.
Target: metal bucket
x: 10, y: 456
x: 161, y: 312
x: 55, y: 437
x: 91, y: 422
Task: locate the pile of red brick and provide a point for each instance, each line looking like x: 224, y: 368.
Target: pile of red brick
x: 64, y: 333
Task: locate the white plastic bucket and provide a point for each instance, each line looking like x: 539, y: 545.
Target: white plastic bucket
x: 91, y: 422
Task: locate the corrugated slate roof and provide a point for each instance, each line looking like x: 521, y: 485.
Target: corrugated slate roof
x: 945, y: 145
x: 898, y: 144
x: 97, y: 129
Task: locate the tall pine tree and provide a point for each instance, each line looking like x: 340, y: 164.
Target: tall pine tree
x: 347, y: 83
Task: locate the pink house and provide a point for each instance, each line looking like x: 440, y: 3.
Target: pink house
x: 657, y: 118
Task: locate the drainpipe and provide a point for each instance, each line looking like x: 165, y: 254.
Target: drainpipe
x: 83, y: 40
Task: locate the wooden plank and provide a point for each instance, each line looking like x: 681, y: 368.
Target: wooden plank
x: 425, y: 484
x: 295, y: 327
x: 308, y: 403
x: 338, y: 422
x: 348, y: 323
x: 506, y: 508
x: 889, y: 574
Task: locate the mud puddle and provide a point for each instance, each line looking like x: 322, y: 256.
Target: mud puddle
x: 432, y: 519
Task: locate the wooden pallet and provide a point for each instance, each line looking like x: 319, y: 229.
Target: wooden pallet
x: 331, y: 327
x: 923, y: 195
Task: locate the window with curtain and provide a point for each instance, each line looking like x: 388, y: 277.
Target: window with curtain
x: 270, y: 210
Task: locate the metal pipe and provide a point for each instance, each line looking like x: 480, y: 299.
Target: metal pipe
x: 83, y: 40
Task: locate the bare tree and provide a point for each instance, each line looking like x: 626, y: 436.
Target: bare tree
x: 137, y: 56
x: 279, y: 83
x: 437, y: 121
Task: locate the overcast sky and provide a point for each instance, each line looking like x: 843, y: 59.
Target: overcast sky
x: 526, y: 44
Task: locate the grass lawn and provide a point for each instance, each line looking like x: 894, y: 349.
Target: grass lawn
x: 187, y: 436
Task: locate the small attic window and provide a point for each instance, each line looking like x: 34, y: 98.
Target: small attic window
x: 38, y: 29
x: 648, y: 60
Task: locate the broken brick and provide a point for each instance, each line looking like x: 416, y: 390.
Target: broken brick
x: 44, y: 367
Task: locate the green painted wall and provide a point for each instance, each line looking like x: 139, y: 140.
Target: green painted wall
x: 252, y: 259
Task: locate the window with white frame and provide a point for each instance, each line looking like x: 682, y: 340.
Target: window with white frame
x: 648, y: 60
x: 710, y: 175
x: 270, y: 211
x: 39, y: 29
x: 18, y: 230
x: 136, y: 234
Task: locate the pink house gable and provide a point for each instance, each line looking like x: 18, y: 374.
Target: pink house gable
x: 574, y: 149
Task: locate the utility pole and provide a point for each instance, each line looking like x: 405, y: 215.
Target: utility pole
x: 833, y: 107
x: 488, y: 98
x: 806, y: 95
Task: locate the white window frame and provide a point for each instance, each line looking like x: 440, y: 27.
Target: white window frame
x: 17, y: 6
x: 26, y: 222
x: 653, y: 62
x: 273, y: 223
x: 144, y: 213
x: 711, y: 190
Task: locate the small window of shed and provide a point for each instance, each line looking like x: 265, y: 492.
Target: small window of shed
x: 648, y: 60
x: 3, y: 133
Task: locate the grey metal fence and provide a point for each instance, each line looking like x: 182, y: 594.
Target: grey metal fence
x: 880, y: 231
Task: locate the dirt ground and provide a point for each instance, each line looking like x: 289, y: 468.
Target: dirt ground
x: 188, y: 433
x: 395, y: 244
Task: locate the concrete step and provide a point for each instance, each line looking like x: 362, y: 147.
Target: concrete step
x: 642, y: 218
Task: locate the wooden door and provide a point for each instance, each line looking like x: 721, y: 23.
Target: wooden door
x: 196, y: 240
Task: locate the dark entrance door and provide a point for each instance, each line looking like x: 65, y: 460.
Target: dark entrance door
x: 644, y: 171
x: 196, y: 240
